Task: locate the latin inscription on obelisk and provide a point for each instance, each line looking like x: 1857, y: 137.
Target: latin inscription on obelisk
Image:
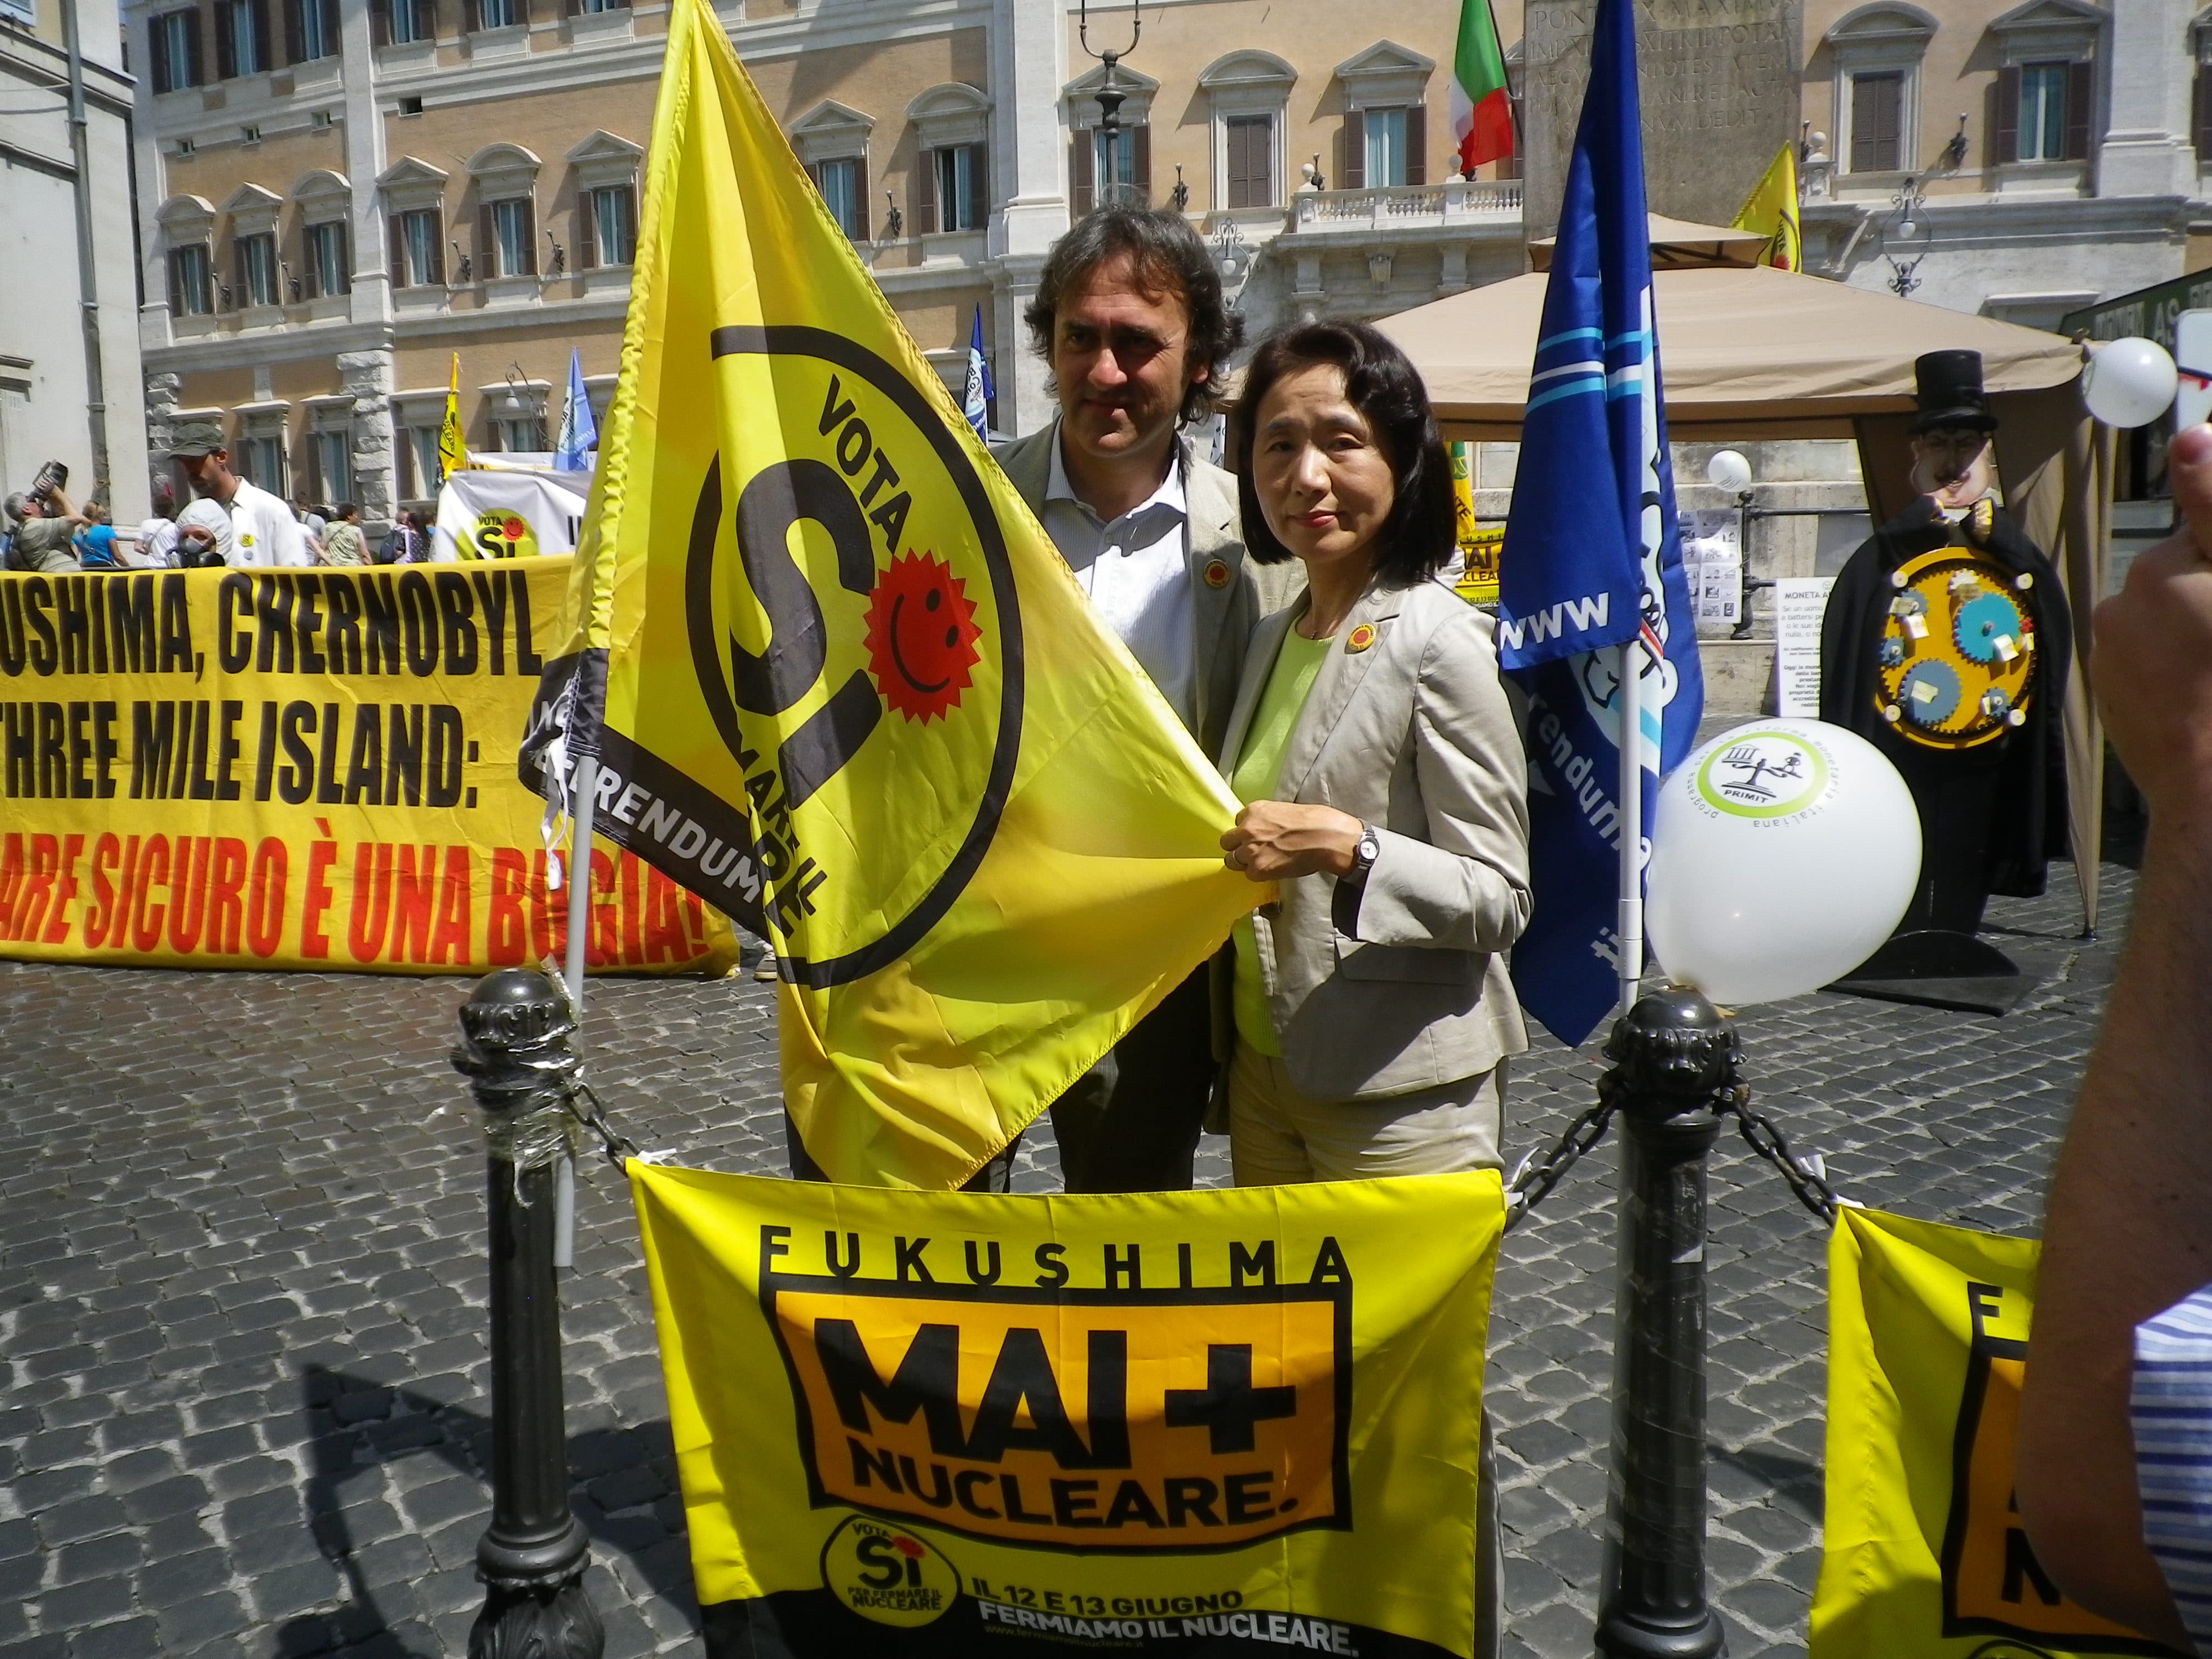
x: 1719, y: 83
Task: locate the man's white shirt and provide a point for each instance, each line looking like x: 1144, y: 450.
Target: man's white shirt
x: 1136, y: 570
x: 265, y: 530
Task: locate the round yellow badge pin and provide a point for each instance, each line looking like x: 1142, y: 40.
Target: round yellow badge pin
x: 1361, y: 638
x: 1216, y: 574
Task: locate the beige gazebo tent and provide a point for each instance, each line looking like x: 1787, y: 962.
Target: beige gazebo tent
x: 1749, y: 353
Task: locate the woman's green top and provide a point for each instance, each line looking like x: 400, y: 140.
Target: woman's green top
x: 1259, y: 769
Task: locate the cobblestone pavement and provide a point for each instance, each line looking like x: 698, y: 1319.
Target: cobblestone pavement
x: 242, y: 1285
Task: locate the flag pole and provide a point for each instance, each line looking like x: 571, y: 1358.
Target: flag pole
x: 1512, y: 103
x: 1631, y: 925
x: 579, y: 921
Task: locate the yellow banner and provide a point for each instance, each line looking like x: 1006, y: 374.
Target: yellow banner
x: 1925, y: 1557
x: 1772, y: 209
x: 297, y: 768
x: 945, y: 1424
x: 811, y: 615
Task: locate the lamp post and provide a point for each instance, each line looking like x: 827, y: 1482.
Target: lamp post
x: 1906, y: 236
x: 1111, y: 98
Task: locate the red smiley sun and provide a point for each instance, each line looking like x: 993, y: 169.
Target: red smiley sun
x: 922, y: 637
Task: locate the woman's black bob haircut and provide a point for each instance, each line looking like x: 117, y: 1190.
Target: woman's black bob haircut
x: 1418, y: 538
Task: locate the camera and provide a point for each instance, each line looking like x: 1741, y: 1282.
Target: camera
x: 51, y: 477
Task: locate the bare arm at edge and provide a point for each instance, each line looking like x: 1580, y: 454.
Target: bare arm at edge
x: 2128, y: 1227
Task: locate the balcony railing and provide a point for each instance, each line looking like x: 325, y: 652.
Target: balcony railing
x: 1389, y: 207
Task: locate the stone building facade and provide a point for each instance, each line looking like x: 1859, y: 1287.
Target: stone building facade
x: 335, y: 196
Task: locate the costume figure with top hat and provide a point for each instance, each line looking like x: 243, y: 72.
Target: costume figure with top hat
x: 1946, y: 643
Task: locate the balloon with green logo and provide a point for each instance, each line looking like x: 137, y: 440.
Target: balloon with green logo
x: 1782, y: 853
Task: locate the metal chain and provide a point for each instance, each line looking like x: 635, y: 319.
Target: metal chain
x: 591, y: 1113
x: 1761, y: 1134
x: 1532, y: 1181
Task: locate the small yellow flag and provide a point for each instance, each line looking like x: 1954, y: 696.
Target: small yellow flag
x: 1772, y: 208
x: 1924, y: 1556
x: 839, y: 684
x: 452, y: 457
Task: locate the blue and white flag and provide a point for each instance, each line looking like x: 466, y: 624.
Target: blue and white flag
x: 579, y: 431
x: 1592, y: 558
x: 976, y: 397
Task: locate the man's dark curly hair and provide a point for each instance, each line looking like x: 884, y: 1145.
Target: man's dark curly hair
x: 1381, y: 383
x: 1167, y: 257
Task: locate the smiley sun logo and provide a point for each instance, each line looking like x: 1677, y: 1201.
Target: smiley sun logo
x: 922, y: 637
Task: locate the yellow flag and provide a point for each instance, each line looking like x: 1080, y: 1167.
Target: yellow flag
x: 1924, y: 1556
x: 452, y: 457
x: 916, y: 1425
x: 840, y: 684
x: 1772, y: 209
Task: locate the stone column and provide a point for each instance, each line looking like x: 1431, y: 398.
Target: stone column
x: 366, y: 376
x: 1719, y: 88
x: 163, y: 398
x: 1029, y: 66
x: 2147, y: 150
x: 364, y: 160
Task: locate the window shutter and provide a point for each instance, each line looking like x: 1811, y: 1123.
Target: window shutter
x: 1259, y: 161
x: 2201, y: 121
x: 226, y: 55
x: 259, y: 10
x: 437, y: 248
x: 979, y: 187
x: 395, y: 235
x: 330, y: 37
x: 379, y: 21
x: 296, y: 33
x: 859, y: 199
x: 529, y: 239
x: 2081, y: 102
x: 1417, y: 145
x: 1140, y: 163
x: 1352, y: 175
x: 2008, y: 122
x: 925, y: 192
x: 239, y: 295
x: 176, y: 284
x: 1235, y: 162
x: 194, y: 64
x: 571, y: 7
x: 164, y: 73
x: 1081, y: 187
x: 487, y: 244
x: 587, y: 229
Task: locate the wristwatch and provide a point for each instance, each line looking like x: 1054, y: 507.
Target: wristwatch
x: 1364, y: 855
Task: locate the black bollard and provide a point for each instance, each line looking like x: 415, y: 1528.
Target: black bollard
x: 1672, y: 1054
x: 514, y: 1051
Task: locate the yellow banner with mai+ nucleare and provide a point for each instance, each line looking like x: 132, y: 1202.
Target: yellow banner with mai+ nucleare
x: 297, y: 768
x: 1228, y: 1423
x: 812, y: 619
x: 1925, y: 1557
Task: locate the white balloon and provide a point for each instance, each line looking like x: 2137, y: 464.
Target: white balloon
x: 1784, y: 851
x: 1727, y: 469
x: 2129, y: 383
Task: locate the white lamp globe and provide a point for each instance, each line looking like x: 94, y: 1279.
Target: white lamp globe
x: 1728, y: 470
x: 2129, y: 383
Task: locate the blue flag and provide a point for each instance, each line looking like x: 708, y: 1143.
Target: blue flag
x: 976, y: 397
x: 1592, y: 558
x: 579, y: 433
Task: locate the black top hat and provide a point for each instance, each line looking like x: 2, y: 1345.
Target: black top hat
x: 1948, y: 384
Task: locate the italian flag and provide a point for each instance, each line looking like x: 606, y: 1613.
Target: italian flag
x: 1481, y: 114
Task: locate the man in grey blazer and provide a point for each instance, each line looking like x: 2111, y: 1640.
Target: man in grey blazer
x: 1130, y: 316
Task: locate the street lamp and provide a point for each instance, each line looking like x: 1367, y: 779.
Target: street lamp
x: 1906, y: 236
x: 1110, y: 97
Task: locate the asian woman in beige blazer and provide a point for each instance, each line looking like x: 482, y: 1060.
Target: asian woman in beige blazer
x: 1384, y: 779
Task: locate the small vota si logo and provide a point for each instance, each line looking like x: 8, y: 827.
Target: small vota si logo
x: 1132, y: 1418
x: 855, y: 632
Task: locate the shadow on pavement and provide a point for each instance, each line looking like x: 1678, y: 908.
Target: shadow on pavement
x: 461, y: 1439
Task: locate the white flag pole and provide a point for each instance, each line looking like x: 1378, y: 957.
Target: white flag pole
x: 585, y: 795
x: 1631, y: 926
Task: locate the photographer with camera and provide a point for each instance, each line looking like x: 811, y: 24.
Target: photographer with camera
x: 44, y: 522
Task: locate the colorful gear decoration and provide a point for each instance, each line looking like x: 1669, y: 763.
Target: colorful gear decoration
x: 922, y: 635
x: 1955, y: 660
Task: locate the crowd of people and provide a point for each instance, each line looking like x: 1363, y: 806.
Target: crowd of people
x: 207, y: 514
